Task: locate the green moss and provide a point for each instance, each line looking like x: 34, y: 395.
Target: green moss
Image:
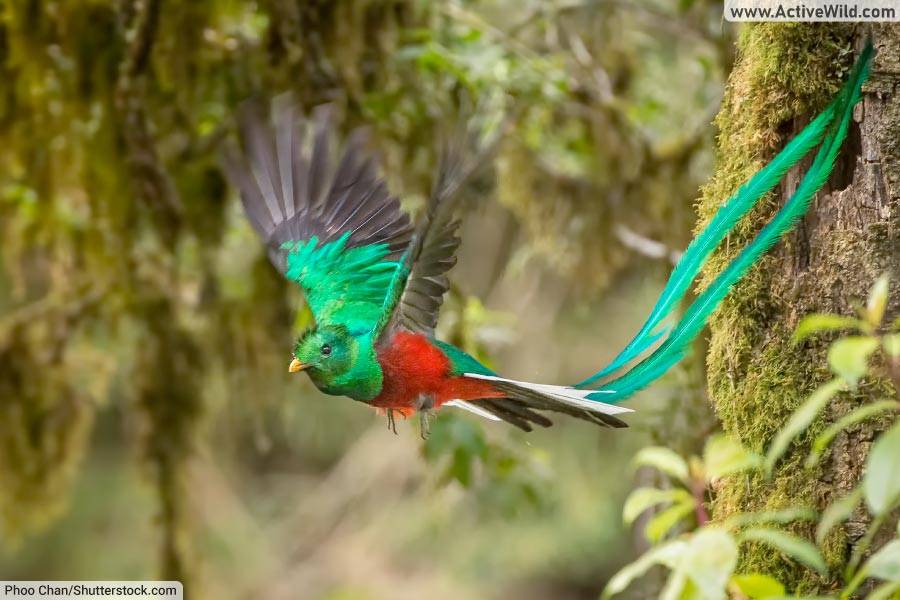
x: 168, y: 379
x: 756, y: 378
x: 111, y: 131
x: 44, y: 428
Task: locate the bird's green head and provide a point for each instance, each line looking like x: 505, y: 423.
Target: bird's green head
x: 338, y: 362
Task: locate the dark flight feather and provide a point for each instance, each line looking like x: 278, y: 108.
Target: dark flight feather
x: 292, y: 192
x: 533, y: 399
x: 418, y: 292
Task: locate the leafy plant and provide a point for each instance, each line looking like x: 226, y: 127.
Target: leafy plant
x: 503, y: 479
x: 702, y: 560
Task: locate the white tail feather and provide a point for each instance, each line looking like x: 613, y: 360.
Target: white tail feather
x: 565, y: 394
x: 473, y: 409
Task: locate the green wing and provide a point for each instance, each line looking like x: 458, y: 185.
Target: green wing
x: 330, y: 225
x: 342, y: 284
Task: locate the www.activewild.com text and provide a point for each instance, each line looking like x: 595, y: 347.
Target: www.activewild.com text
x: 802, y: 12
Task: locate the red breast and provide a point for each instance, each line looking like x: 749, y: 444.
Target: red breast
x: 413, y: 367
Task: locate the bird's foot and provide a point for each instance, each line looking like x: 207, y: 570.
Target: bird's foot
x: 392, y: 423
x: 424, y: 423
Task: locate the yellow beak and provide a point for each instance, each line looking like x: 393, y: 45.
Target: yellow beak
x: 296, y: 365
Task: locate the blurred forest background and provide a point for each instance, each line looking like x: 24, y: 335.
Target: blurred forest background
x: 148, y: 426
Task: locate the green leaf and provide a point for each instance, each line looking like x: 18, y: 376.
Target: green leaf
x: 891, y: 343
x: 664, y: 521
x: 709, y: 560
x: 885, y: 564
x: 664, y: 460
x: 796, y: 597
x: 701, y: 566
x: 643, y: 498
x: 852, y: 418
x: 877, y: 301
x: 884, y: 591
x: 817, y: 322
x: 667, y: 554
x: 881, y: 482
x: 800, y: 420
x: 795, y: 547
x: 458, y: 441
x: 855, y: 581
x: 678, y: 587
x: 848, y: 357
x: 724, y: 456
x: 837, y: 512
x: 757, y: 585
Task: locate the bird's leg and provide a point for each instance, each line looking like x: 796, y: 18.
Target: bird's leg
x: 424, y: 404
x: 392, y: 424
x: 424, y: 423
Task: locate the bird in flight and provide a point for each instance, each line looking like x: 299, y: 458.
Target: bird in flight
x: 375, y: 281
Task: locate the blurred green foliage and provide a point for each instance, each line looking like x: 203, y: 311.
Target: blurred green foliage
x: 138, y: 330
x: 702, y: 550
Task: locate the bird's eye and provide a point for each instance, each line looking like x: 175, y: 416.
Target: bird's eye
x: 326, y: 350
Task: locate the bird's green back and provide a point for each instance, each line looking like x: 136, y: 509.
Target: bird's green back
x: 343, y: 285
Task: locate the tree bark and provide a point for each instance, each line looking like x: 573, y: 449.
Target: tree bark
x: 784, y: 75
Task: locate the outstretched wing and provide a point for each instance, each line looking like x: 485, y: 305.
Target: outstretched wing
x: 331, y: 226
x: 417, y: 290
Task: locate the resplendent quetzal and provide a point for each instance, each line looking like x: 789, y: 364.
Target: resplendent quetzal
x: 375, y: 282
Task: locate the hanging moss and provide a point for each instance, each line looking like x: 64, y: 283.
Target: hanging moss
x: 44, y: 425
x: 110, y: 184
x: 168, y: 378
x: 110, y: 190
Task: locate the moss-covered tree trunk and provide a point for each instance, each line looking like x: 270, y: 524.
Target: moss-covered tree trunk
x: 784, y: 75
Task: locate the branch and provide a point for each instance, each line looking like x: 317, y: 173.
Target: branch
x: 644, y: 245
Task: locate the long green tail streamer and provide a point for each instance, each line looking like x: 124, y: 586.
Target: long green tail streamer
x: 829, y: 128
